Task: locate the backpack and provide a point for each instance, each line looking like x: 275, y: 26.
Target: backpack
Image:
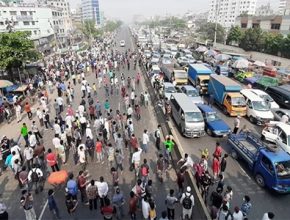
x: 34, y: 176
x: 144, y: 170
x: 187, y: 202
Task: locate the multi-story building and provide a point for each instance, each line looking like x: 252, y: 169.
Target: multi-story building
x: 91, y: 11
x: 264, y: 10
x: 274, y: 23
x: 225, y: 12
x: 284, y: 7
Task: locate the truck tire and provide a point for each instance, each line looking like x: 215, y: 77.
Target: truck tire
x: 263, y: 138
x: 234, y: 154
x: 260, y: 180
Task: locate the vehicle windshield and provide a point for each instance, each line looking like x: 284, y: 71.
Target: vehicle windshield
x: 238, y: 101
x: 180, y: 74
x: 193, y: 117
x: 224, y: 69
x: 283, y: 169
x: 170, y: 90
x: 192, y: 93
x: 212, y: 116
x: 266, y: 97
x: 260, y: 106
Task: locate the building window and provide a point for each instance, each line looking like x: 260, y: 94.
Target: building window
x: 13, y: 12
x: 1, y: 23
x: 33, y: 22
x: 23, y: 12
x: 275, y: 26
x: 25, y: 23
x: 255, y: 25
x: 31, y: 13
x: 35, y: 32
x: 244, y: 25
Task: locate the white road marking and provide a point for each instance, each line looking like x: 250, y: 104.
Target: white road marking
x: 42, y: 211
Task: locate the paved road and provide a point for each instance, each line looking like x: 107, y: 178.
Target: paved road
x: 237, y: 174
x: 11, y: 194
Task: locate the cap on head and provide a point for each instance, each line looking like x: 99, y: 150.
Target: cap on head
x: 188, y: 189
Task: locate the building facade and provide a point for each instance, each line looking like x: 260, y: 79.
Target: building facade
x: 91, y: 11
x: 274, y: 23
x: 264, y: 10
x: 225, y: 12
x: 284, y: 7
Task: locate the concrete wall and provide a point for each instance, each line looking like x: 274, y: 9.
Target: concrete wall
x: 275, y: 60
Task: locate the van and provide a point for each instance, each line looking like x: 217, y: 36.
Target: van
x: 268, y: 99
x: 258, y: 111
x: 281, y: 94
x: 187, y: 116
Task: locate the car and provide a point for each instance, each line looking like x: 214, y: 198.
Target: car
x: 192, y: 93
x: 268, y: 99
x: 279, y: 113
x: 222, y: 70
x: 278, y: 133
x: 147, y: 54
x: 214, y: 125
x: 182, y: 61
x: 122, y: 43
x: 168, y: 89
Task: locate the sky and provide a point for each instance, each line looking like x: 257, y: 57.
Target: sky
x: 126, y: 9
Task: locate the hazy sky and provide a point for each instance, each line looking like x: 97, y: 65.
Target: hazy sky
x: 125, y: 9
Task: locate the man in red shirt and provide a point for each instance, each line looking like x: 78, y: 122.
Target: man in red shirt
x: 218, y: 150
x: 133, y: 205
x: 107, y: 210
x: 133, y: 142
x: 99, y: 151
x: 51, y: 160
x: 82, y: 183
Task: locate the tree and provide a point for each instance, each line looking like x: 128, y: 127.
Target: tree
x: 253, y: 39
x: 89, y: 30
x: 111, y: 26
x: 235, y: 35
x: 208, y: 30
x: 285, y: 47
x: 16, y: 49
x: 273, y: 43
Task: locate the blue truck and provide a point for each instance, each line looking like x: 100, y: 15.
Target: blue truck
x: 270, y: 166
x: 198, y: 74
x: 226, y: 94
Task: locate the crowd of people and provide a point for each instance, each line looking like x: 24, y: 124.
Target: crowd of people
x: 94, y: 132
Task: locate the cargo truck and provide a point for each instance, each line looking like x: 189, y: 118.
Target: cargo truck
x: 172, y: 71
x: 226, y: 94
x: 269, y: 165
x: 198, y: 74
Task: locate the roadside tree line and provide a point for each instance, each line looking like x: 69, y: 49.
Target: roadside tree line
x: 255, y: 39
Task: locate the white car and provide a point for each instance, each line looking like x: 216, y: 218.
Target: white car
x: 266, y: 97
x: 147, y: 54
x: 122, y: 43
x: 278, y: 133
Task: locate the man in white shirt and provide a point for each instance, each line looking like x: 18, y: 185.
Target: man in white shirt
x: 136, y: 158
x: 187, y: 202
x: 35, y: 180
x: 59, y: 101
x: 145, y: 140
x: 89, y: 90
x: 18, y: 112
x: 132, y: 97
x: 82, y: 156
x: 68, y: 120
x: 32, y: 139
x: 83, y: 122
x: 129, y: 111
x: 57, y: 129
x: 81, y: 109
x: 28, y: 156
x: 102, y: 190
x: 187, y: 161
x: 40, y: 116
x: 56, y: 141
x: 89, y: 132
x: 83, y: 88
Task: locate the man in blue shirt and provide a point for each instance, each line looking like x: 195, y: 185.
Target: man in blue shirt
x: 72, y: 187
x: 52, y: 204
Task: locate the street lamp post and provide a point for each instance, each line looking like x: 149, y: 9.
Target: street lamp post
x: 216, y: 22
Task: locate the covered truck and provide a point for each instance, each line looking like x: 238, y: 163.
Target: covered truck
x: 175, y: 73
x: 226, y: 93
x: 198, y: 74
x: 270, y: 166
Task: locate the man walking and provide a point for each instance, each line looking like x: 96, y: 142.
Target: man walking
x: 237, y: 123
x: 145, y: 141
x: 52, y: 204
x: 187, y: 201
x: 157, y: 135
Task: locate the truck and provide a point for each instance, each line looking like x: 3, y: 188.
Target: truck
x: 226, y: 94
x: 175, y: 73
x: 269, y: 165
x: 198, y: 75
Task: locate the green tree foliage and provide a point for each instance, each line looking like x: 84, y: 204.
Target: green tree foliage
x: 285, y: 47
x: 111, y: 26
x: 16, y: 49
x: 235, y: 35
x: 208, y: 30
x: 89, y: 30
x: 253, y: 39
x: 273, y: 43
x: 172, y: 22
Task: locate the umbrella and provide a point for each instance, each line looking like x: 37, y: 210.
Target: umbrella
x: 211, y: 53
x: 5, y: 83
x: 222, y: 57
x: 240, y: 64
x: 201, y: 49
x: 56, y: 178
x: 259, y: 63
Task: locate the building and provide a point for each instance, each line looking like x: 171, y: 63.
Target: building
x: 284, y: 7
x: 264, y: 10
x: 91, y: 11
x: 274, y: 23
x: 225, y: 12
x: 76, y: 16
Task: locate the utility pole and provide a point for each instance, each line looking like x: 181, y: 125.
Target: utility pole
x: 216, y: 22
